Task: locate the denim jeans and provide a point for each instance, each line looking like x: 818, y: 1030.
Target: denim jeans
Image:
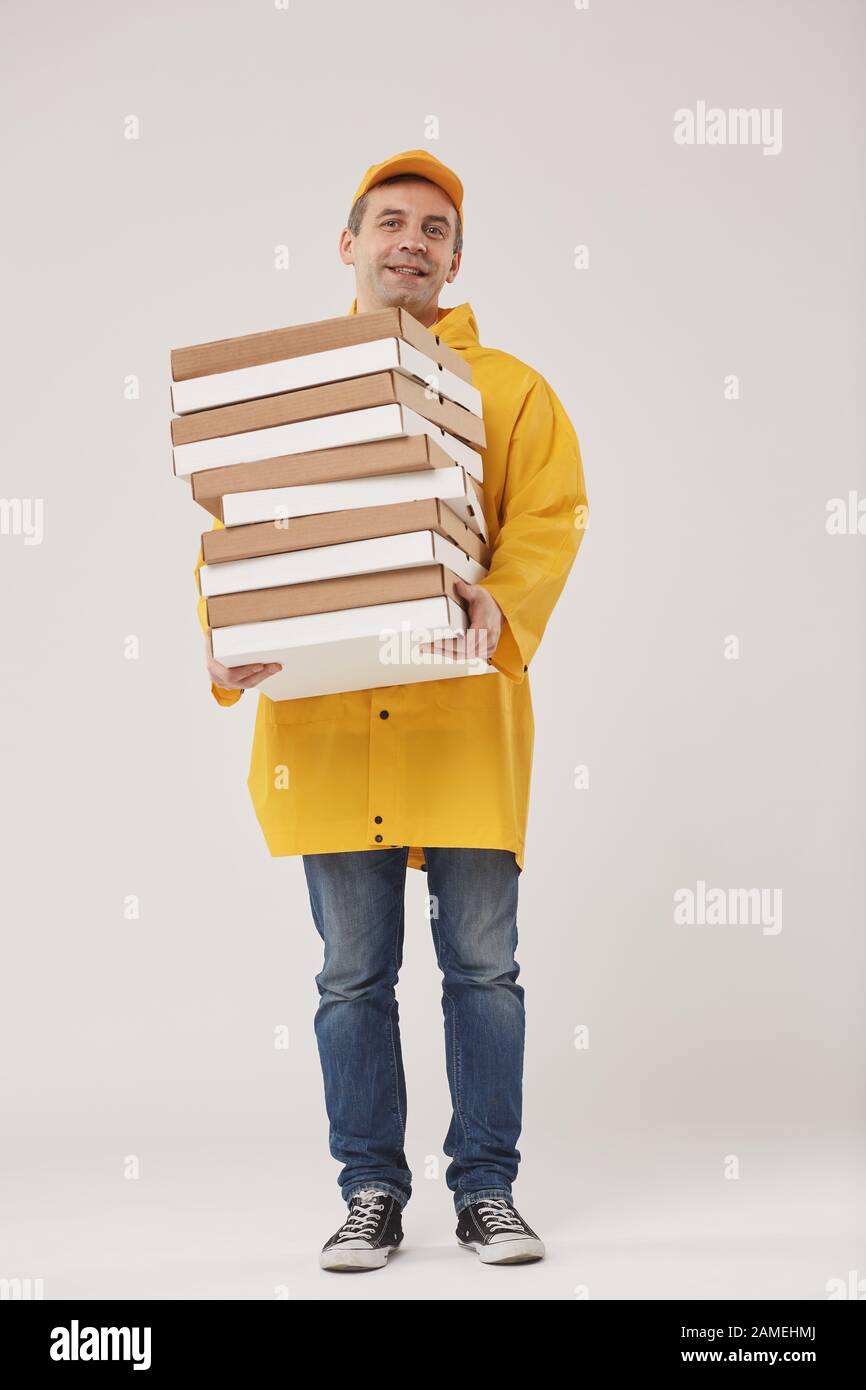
x: 358, y: 909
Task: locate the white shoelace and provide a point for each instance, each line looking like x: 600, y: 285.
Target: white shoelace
x: 366, y: 1204
x: 498, y: 1217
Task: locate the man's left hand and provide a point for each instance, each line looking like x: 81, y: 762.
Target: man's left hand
x: 485, y: 625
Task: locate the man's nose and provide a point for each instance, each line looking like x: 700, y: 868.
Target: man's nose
x: 413, y: 241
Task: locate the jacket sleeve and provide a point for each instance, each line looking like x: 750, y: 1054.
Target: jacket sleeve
x: 221, y: 695
x: 543, y: 516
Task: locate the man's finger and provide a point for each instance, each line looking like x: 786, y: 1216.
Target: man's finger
x: 239, y: 673
x: 450, y: 650
x: 260, y: 676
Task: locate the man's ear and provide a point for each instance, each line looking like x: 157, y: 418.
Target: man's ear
x: 346, y: 247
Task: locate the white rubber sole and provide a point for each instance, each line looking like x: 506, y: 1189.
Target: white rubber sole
x: 335, y: 1258
x: 506, y: 1252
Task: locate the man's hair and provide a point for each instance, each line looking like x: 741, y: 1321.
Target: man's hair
x: 353, y: 221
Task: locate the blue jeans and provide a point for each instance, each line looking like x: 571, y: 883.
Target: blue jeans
x: 358, y: 909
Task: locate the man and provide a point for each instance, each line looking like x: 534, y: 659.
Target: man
x: 432, y: 775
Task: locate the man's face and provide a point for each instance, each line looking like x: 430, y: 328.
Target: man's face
x: 410, y: 224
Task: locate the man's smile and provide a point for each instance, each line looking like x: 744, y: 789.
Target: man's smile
x: 407, y: 272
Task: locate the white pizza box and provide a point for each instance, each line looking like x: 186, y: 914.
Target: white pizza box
x: 399, y: 551
x: 351, y: 648
x: 323, y: 432
x: 317, y: 368
x: 452, y: 484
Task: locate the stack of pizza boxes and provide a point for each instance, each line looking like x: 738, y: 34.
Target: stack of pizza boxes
x: 342, y: 459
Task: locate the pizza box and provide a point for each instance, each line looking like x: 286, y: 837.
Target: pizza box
x: 358, y: 590
x: 402, y: 551
x: 335, y: 528
x: 452, y: 485
x: 212, y: 438
x: 401, y: 454
x: 319, y: 368
x: 303, y: 339
x: 352, y: 649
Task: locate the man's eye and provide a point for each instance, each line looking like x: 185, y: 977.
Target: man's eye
x: 392, y: 222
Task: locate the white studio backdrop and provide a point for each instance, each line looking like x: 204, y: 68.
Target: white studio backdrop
x: 694, y: 1114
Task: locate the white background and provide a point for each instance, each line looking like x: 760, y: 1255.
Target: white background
x: 154, y: 1037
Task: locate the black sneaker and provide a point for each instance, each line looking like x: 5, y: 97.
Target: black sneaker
x: 496, y: 1231
x: 373, y: 1228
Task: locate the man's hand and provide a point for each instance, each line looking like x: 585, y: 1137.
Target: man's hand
x: 485, y: 625
x: 236, y: 677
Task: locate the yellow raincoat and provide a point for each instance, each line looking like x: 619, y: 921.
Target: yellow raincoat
x: 444, y: 763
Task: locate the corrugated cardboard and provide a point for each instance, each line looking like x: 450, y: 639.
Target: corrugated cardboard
x: 255, y: 349
x: 327, y: 595
x: 335, y: 528
x: 351, y: 649
x: 339, y: 364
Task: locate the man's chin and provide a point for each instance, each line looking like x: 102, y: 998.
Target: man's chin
x: 413, y: 291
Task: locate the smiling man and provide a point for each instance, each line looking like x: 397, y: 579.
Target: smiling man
x: 433, y: 775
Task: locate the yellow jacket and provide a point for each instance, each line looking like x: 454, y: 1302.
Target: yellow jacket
x: 439, y: 762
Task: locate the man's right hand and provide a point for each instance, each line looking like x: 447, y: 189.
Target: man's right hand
x: 236, y: 677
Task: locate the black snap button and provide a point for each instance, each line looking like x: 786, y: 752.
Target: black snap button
x: 383, y: 714
x: 378, y: 820
x: 526, y: 668
x: 378, y: 837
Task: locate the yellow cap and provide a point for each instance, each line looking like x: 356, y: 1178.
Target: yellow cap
x: 415, y: 162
